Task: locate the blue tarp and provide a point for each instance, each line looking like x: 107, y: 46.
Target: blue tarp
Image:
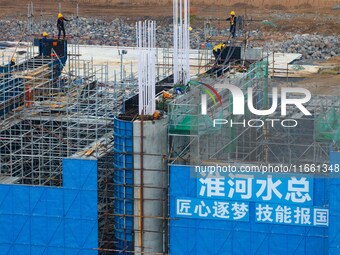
x: 38, y: 220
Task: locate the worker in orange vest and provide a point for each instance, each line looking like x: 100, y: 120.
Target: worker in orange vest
x: 232, y: 20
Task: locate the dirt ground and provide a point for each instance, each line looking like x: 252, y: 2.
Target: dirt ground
x: 327, y: 81
x: 302, y: 18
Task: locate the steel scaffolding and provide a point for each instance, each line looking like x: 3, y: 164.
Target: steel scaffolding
x: 193, y: 139
x: 47, y: 116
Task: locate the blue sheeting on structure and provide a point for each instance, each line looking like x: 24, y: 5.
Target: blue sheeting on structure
x: 123, y: 186
x: 334, y: 205
x: 207, y: 236
x: 38, y: 220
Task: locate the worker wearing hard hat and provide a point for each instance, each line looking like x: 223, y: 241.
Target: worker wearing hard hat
x: 44, y: 44
x: 12, y: 63
x: 60, y: 25
x: 217, y: 50
x: 232, y: 19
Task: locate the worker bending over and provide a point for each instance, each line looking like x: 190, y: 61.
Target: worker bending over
x: 217, y: 51
x: 232, y: 19
x: 61, y: 26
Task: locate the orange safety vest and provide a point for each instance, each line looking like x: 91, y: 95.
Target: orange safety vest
x: 232, y: 20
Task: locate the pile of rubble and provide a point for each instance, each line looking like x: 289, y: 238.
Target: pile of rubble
x: 310, y: 46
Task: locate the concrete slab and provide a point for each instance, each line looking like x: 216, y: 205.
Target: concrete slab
x: 296, y: 71
x: 102, y: 55
x: 281, y: 60
x: 110, y: 55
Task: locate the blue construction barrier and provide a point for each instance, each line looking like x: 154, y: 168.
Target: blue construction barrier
x: 334, y: 206
x: 37, y: 220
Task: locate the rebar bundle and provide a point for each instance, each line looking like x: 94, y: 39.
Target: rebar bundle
x: 146, y: 43
x: 181, y: 23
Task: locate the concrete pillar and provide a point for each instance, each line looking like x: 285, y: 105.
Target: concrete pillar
x: 150, y: 191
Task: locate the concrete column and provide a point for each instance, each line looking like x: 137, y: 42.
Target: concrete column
x: 153, y: 189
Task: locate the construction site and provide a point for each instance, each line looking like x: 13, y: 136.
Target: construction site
x: 99, y: 157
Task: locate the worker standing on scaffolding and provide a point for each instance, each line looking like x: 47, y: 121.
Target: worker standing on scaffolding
x: 44, y: 44
x: 61, y: 26
x: 232, y: 20
x: 12, y: 63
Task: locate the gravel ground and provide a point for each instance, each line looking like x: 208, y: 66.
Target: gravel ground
x: 92, y: 31
x: 121, y: 32
x: 310, y: 46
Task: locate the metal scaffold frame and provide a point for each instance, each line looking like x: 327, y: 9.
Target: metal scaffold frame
x: 193, y: 139
x: 46, y: 117
x: 54, y: 116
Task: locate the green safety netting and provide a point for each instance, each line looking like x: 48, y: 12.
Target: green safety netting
x: 190, y: 123
x: 327, y: 127
x: 186, y: 119
x: 258, y: 69
x: 269, y: 23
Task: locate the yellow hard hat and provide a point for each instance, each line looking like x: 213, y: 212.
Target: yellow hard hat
x: 219, y: 46
x: 60, y: 15
x: 232, y: 13
x: 45, y: 34
x: 13, y: 59
x: 190, y: 28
